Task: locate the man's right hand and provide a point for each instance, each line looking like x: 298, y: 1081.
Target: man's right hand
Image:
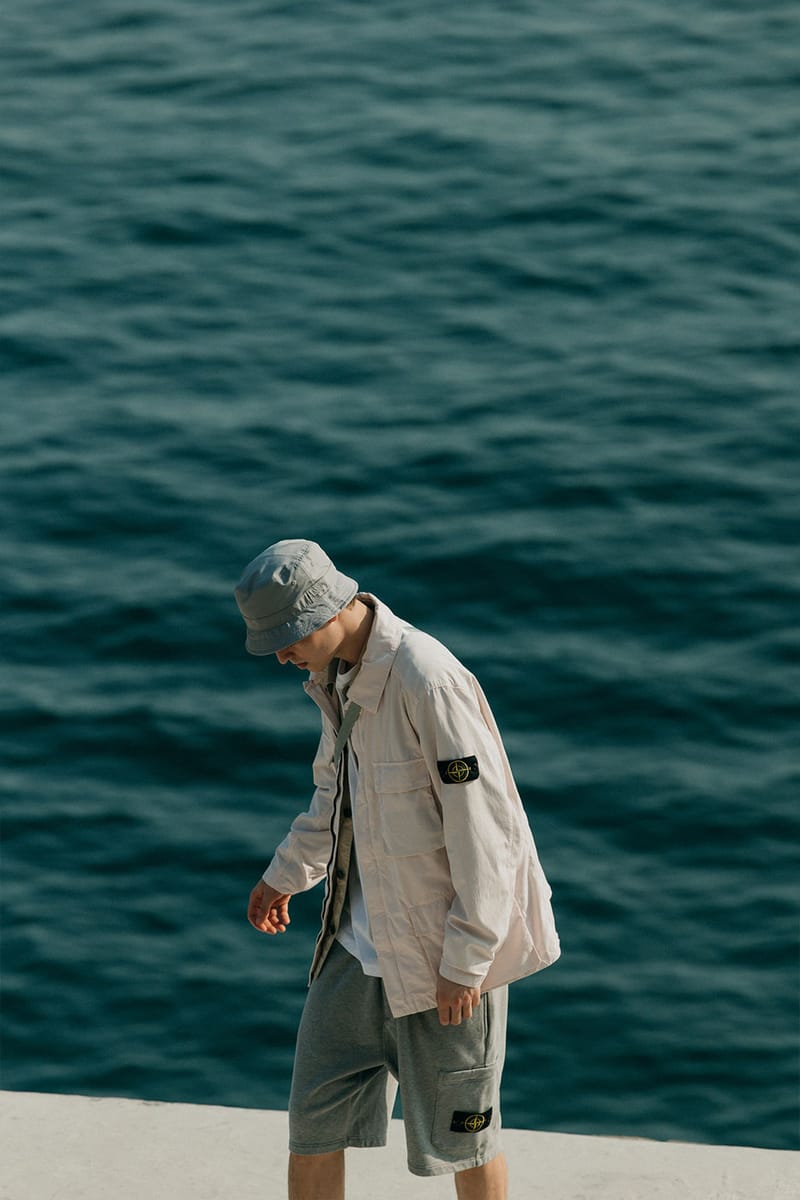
x: 268, y: 910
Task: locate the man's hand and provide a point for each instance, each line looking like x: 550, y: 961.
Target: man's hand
x: 455, y: 1002
x: 268, y: 910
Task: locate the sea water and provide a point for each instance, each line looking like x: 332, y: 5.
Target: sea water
x: 499, y: 303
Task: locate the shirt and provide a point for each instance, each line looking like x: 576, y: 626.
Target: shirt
x: 354, y: 932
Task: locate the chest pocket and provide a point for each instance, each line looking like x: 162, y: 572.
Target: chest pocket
x: 410, y: 819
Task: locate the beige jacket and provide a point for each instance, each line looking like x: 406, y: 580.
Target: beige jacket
x: 449, y: 869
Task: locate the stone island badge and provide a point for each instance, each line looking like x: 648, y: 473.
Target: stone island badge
x: 459, y: 770
x: 470, y: 1122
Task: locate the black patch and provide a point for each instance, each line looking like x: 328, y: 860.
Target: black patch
x: 471, y: 1122
x: 459, y: 770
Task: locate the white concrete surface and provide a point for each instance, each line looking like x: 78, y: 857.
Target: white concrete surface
x: 77, y: 1148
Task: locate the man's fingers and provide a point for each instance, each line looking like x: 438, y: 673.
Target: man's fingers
x: 278, y: 919
x: 268, y: 911
x: 451, y: 1013
x: 270, y: 920
x: 456, y: 1007
x: 269, y: 923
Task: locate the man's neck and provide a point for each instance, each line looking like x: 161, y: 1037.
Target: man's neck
x: 357, y: 622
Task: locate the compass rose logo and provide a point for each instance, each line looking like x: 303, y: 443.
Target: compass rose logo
x: 458, y: 771
x: 475, y: 1123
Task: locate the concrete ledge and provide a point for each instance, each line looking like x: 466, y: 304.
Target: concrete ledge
x: 78, y: 1148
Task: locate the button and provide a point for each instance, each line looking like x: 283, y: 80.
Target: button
x: 332, y: 928
x: 339, y: 873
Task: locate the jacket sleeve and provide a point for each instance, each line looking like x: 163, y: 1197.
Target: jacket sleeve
x: 301, y: 859
x: 481, y: 826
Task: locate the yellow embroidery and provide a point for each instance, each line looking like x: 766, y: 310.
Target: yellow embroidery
x: 458, y: 771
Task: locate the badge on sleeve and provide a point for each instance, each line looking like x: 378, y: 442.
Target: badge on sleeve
x: 459, y: 770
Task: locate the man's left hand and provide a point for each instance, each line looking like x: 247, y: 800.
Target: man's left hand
x: 455, y: 1002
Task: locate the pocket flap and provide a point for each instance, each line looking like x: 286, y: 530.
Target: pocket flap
x: 402, y: 776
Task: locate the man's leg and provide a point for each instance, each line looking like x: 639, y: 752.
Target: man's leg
x: 450, y: 1086
x: 338, y: 1096
x: 317, y: 1176
x: 489, y: 1182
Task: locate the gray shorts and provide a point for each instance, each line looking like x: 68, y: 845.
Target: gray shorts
x: 348, y: 1045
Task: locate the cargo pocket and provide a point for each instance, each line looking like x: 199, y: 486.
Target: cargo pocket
x: 466, y: 1116
x: 410, y: 819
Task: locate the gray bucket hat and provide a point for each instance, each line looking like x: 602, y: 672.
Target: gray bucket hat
x: 288, y: 591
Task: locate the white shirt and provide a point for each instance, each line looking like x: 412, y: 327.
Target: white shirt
x: 354, y: 932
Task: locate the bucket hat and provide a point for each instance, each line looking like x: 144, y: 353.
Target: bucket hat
x: 288, y: 591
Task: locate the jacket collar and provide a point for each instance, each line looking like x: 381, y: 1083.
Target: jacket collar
x: 379, y: 654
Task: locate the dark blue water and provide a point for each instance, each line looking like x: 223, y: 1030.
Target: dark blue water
x: 500, y: 305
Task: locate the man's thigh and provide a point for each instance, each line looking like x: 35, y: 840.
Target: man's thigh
x: 450, y: 1086
x: 340, y: 1076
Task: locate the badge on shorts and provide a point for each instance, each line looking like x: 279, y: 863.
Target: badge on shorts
x: 470, y: 1122
x: 458, y: 770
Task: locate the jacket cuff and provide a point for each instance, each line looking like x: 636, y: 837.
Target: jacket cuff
x: 466, y: 978
x: 271, y: 878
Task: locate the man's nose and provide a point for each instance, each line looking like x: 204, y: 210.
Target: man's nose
x: 283, y: 656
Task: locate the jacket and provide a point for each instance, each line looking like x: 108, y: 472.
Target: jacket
x: 449, y: 869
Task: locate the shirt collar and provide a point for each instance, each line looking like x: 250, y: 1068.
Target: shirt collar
x: 379, y: 655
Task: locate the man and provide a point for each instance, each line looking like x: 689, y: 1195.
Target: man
x: 434, y: 898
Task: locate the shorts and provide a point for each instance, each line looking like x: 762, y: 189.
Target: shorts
x: 348, y: 1046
